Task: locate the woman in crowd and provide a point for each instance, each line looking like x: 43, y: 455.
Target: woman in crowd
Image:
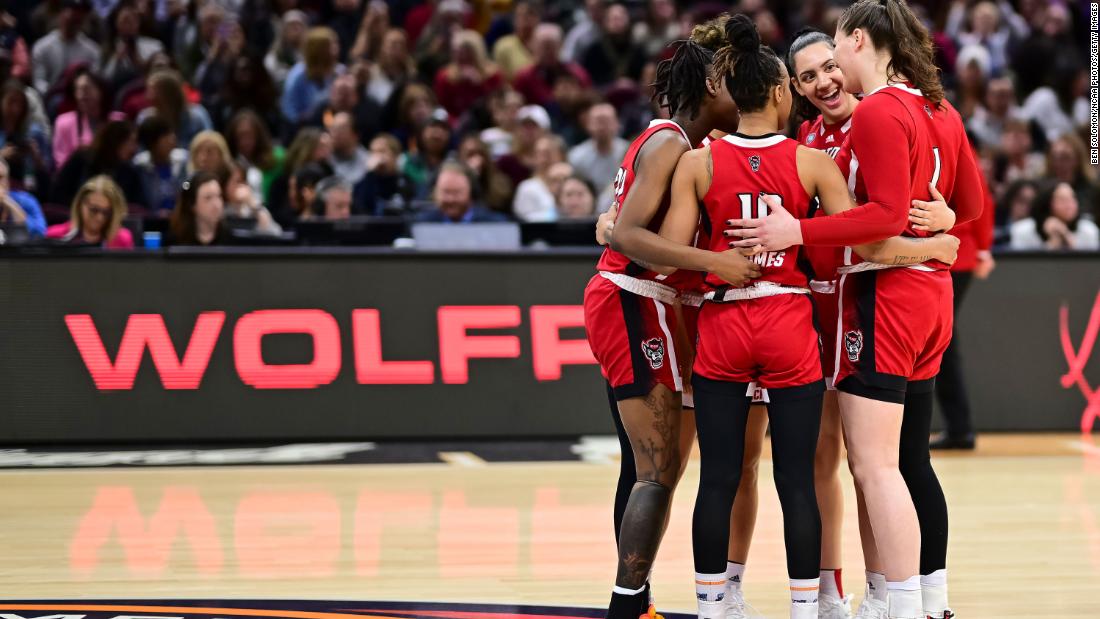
x: 469, y: 77
x: 98, y: 209
x: 310, y: 146
x: 77, y: 127
x: 1014, y: 205
x: 242, y: 202
x: 209, y: 153
x: 251, y: 144
x: 494, y: 187
x: 199, y: 217
x: 308, y: 82
x: 394, y: 67
x: 111, y: 153
x: 576, y: 199
x: 433, y: 145
x: 163, y: 166
x: 535, y: 197
x: 167, y: 99
x: 286, y: 50
x: 1067, y: 162
x: 248, y: 86
x: 1056, y: 223
x: 126, y: 51
x: 23, y: 141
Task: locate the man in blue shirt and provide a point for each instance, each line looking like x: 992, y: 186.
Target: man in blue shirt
x: 35, y: 220
x: 453, y: 196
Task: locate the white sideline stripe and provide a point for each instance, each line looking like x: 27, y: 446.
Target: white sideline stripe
x: 464, y: 459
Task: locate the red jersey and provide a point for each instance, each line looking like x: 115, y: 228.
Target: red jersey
x: 825, y: 260
x: 892, y: 120
x: 749, y: 167
x: 612, y: 261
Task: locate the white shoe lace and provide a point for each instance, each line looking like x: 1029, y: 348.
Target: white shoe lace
x: 830, y: 607
x: 871, y: 609
x: 735, y: 605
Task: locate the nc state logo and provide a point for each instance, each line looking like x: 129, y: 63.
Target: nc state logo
x: 654, y: 350
x: 754, y: 163
x: 853, y: 344
x: 810, y: 138
x: 1078, y: 359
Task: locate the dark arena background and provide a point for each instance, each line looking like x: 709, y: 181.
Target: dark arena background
x: 358, y: 383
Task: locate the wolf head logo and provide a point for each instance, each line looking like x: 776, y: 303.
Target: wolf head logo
x: 754, y: 163
x: 853, y: 344
x: 654, y: 349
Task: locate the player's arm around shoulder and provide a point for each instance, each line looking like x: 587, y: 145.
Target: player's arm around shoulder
x: 820, y: 177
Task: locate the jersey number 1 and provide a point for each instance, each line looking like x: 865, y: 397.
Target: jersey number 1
x: 761, y: 206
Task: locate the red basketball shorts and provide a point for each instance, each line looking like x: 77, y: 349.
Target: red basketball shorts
x: 631, y: 337
x: 896, y: 324
x: 770, y: 340
x: 827, y: 310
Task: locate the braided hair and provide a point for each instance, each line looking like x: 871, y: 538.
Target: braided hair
x: 751, y: 69
x: 681, y: 82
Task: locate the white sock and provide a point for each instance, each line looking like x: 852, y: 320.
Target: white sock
x: 905, y: 598
x: 828, y: 583
x: 876, y: 586
x: 735, y: 574
x: 804, y: 597
x: 934, y: 593
x: 710, y: 590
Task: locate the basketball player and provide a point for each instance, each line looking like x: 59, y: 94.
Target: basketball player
x: 895, y: 322
x: 629, y: 316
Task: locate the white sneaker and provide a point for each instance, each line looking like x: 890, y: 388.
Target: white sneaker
x: 871, y: 608
x: 735, y: 604
x: 830, y: 607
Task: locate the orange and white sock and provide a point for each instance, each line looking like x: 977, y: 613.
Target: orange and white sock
x: 804, y: 593
x: 710, y: 590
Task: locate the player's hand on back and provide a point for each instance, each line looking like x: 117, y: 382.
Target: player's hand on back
x: 605, y: 224
x: 776, y: 232
x: 985, y: 265
x: 733, y: 267
x: 933, y: 216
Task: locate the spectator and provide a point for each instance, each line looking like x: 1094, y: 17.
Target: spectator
x: 536, y: 82
x: 988, y: 121
x: 311, y: 145
x: 1067, y: 162
x: 1015, y: 205
x: 372, y: 31
x: 534, y: 123
x: 576, y: 199
x: 614, y: 55
x: 195, y: 43
x: 209, y: 153
x: 385, y: 189
x: 535, y: 197
x: 434, y: 44
x: 286, y: 51
x: 1050, y: 40
x: 1056, y: 223
x: 63, y: 46
x: 513, y: 52
x: 504, y: 106
x: 302, y: 192
x: 23, y: 142
x: 333, y: 202
x: 308, y: 82
x: 469, y: 77
x: 126, y: 51
x: 242, y: 203
x: 346, y: 96
x: 245, y: 85
x: 599, y: 157
x: 251, y: 145
x: 98, y: 209
x: 585, y: 30
x: 1016, y: 160
x: 972, y: 68
x: 660, y: 27
x: 493, y: 186
x: 167, y: 99
x: 986, y: 29
x: 76, y: 127
x: 199, y: 216
x: 394, y: 67
x: 1061, y: 107
x: 344, y: 19
x: 433, y: 144
x: 454, y: 198
x: 110, y: 154
x: 163, y: 166
x: 571, y: 100
x: 12, y: 42
x: 409, y: 109
x: 349, y: 158
x: 20, y: 207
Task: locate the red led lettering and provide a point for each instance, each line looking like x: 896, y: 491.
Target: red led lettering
x: 370, y: 368
x: 247, y: 350
x: 550, y: 352
x: 456, y: 347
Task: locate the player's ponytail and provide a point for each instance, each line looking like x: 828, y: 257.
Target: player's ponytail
x: 750, y: 69
x: 892, y: 26
x: 681, y: 81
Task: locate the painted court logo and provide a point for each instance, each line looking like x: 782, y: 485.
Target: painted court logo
x: 853, y: 344
x: 1077, y: 358
x: 654, y: 350
x: 282, y: 609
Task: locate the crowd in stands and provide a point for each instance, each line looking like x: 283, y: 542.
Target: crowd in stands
x: 222, y: 116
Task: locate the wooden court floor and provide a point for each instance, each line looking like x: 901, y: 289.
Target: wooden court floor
x: 1025, y: 533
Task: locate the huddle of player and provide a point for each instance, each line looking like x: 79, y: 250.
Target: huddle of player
x: 702, y: 305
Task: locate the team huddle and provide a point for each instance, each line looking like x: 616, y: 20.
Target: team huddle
x: 754, y: 280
